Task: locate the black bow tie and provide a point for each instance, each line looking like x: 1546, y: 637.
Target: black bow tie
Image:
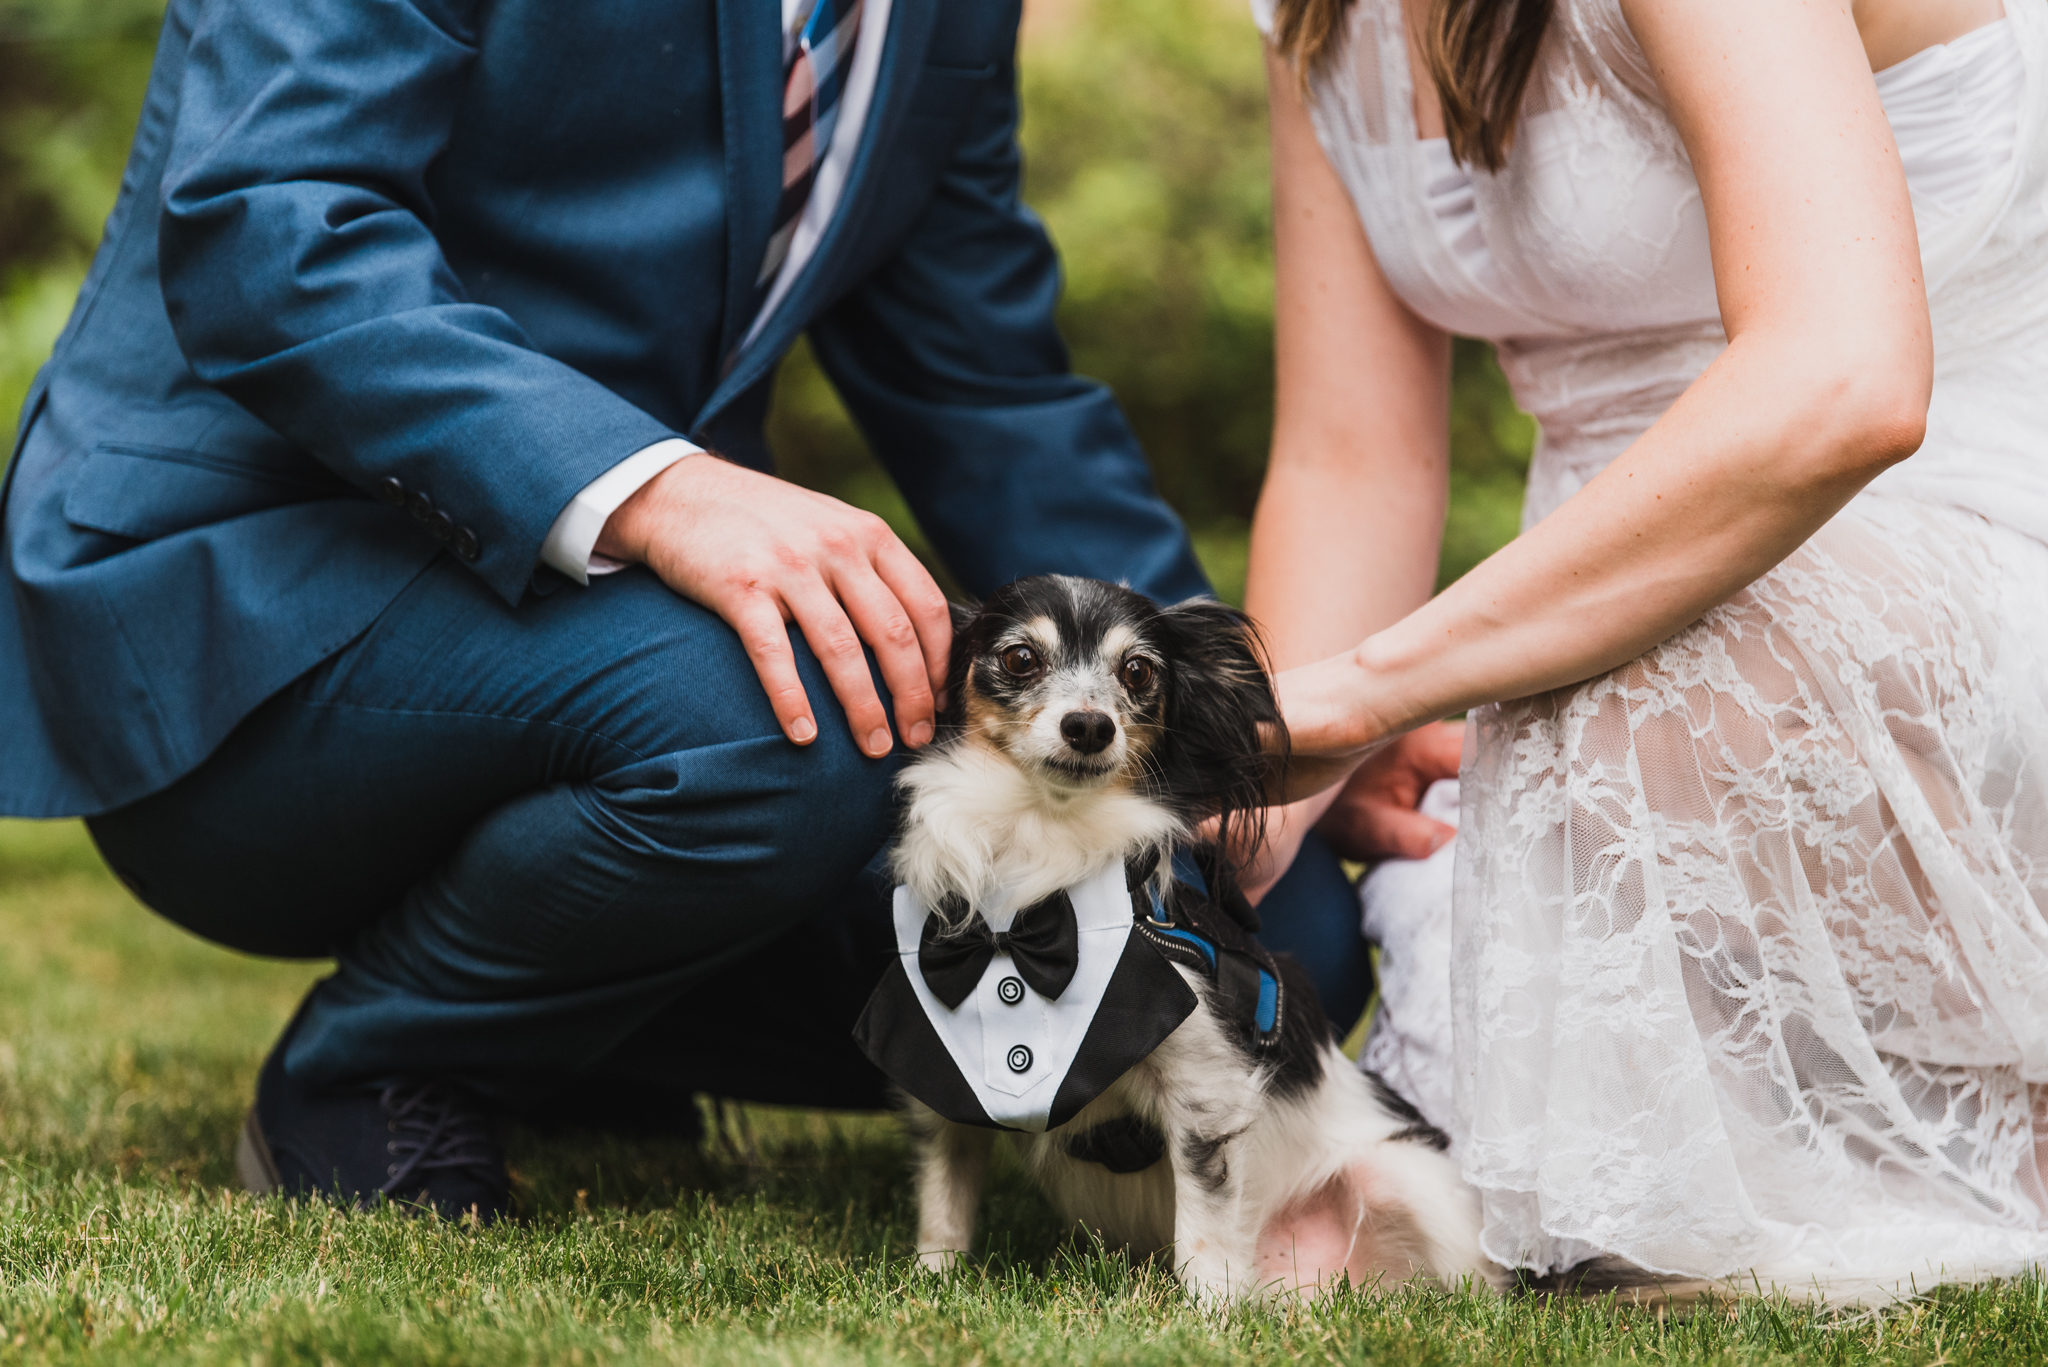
x: 1044, y: 941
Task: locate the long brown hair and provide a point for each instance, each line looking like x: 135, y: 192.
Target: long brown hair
x: 1479, y: 53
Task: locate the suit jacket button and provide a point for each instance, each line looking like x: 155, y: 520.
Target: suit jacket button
x: 389, y: 490
x: 442, y: 527
x: 419, y: 505
x: 466, y: 545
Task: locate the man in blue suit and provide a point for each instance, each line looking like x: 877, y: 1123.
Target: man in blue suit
x: 413, y: 319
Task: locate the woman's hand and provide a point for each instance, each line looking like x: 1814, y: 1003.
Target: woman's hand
x: 1338, y: 713
x: 1373, y: 816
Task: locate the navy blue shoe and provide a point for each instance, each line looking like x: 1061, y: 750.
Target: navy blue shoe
x: 422, y: 1143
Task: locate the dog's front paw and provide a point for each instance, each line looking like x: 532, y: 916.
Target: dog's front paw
x: 1207, y: 1278
x: 940, y: 1260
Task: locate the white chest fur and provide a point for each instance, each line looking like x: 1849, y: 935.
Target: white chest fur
x: 980, y: 830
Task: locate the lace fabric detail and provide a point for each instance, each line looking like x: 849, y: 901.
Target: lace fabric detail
x: 1751, y: 968
x: 1597, y: 395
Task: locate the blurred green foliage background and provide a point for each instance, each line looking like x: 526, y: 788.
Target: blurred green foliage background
x: 1145, y: 143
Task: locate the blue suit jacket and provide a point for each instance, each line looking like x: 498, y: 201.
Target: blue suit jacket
x: 487, y: 249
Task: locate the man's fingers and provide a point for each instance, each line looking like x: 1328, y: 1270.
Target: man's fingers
x: 833, y: 640
x: 920, y: 596
x: 885, y: 624
x: 765, y: 637
x: 1436, y: 750
x: 1400, y: 833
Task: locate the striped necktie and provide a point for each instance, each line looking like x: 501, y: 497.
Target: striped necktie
x: 811, y: 95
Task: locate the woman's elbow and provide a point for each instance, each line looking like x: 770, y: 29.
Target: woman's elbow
x: 1894, y: 433
x: 1874, y: 410
x: 1890, y: 420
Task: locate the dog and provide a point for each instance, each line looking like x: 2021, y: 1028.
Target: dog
x: 1087, y: 736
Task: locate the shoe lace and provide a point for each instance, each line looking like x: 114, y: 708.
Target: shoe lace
x: 435, y: 1128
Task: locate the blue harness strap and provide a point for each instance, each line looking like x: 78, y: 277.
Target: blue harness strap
x: 1183, y: 942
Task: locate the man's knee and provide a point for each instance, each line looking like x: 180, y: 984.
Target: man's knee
x: 724, y: 776
x: 781, y: 826
x: 658, y: 674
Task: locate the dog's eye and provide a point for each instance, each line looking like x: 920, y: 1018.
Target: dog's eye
x: 1137, y: 674
x: 1021, y: 661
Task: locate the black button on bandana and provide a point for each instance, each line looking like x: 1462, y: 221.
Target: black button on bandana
x: 1010, y: 990
x: 1020, y: 1059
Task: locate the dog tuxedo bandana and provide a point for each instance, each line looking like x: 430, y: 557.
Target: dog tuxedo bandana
x: 1017, y: 1021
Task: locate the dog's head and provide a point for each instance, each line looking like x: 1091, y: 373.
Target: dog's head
x: 1085, y: 685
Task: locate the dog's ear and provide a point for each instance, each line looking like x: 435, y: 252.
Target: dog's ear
x: 1220, y: 711
x: 957, y: 661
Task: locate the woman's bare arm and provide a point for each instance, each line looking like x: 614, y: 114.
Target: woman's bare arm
x: 1824, y: 383
x: 1346, y: 536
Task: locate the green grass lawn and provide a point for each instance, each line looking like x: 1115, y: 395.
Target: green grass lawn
x: 127, y: 1049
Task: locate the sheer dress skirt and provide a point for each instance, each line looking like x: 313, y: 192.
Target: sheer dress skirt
x: 1750, y: 968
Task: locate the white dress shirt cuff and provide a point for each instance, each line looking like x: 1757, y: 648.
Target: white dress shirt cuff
x: 571, y: 546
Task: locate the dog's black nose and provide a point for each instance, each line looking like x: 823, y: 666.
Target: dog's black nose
x: 1089, y: 732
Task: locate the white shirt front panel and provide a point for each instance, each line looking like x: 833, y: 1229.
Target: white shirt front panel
x: 982, y: 1035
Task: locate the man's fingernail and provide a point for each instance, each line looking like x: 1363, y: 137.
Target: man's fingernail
x: 802, y: 729
x: 920, y: 733
x: 878, y: 742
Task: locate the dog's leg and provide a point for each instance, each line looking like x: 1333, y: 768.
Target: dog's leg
x: 1211, y: 1253
x: 952, y: 1163
x: 1208, y: 1100
x: 1419, y: 1218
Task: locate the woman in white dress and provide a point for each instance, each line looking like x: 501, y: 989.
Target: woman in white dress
x: 1748, y: 963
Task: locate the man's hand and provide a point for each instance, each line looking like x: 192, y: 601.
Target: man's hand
x: 1375, y: 816
x: 761, y: 552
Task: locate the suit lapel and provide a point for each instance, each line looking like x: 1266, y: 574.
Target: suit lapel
x: 750, y: 75
x: 910, y: 25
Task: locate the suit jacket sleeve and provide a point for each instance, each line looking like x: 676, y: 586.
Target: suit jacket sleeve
x: 302, y: 277
x: 949, y: 360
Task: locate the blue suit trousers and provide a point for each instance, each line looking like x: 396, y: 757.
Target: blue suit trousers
x: 567, y: 843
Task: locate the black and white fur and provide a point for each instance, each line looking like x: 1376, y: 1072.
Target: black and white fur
x: 1084, y: 726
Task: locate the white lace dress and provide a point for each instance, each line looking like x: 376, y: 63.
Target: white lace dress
x: 1748, y: 969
